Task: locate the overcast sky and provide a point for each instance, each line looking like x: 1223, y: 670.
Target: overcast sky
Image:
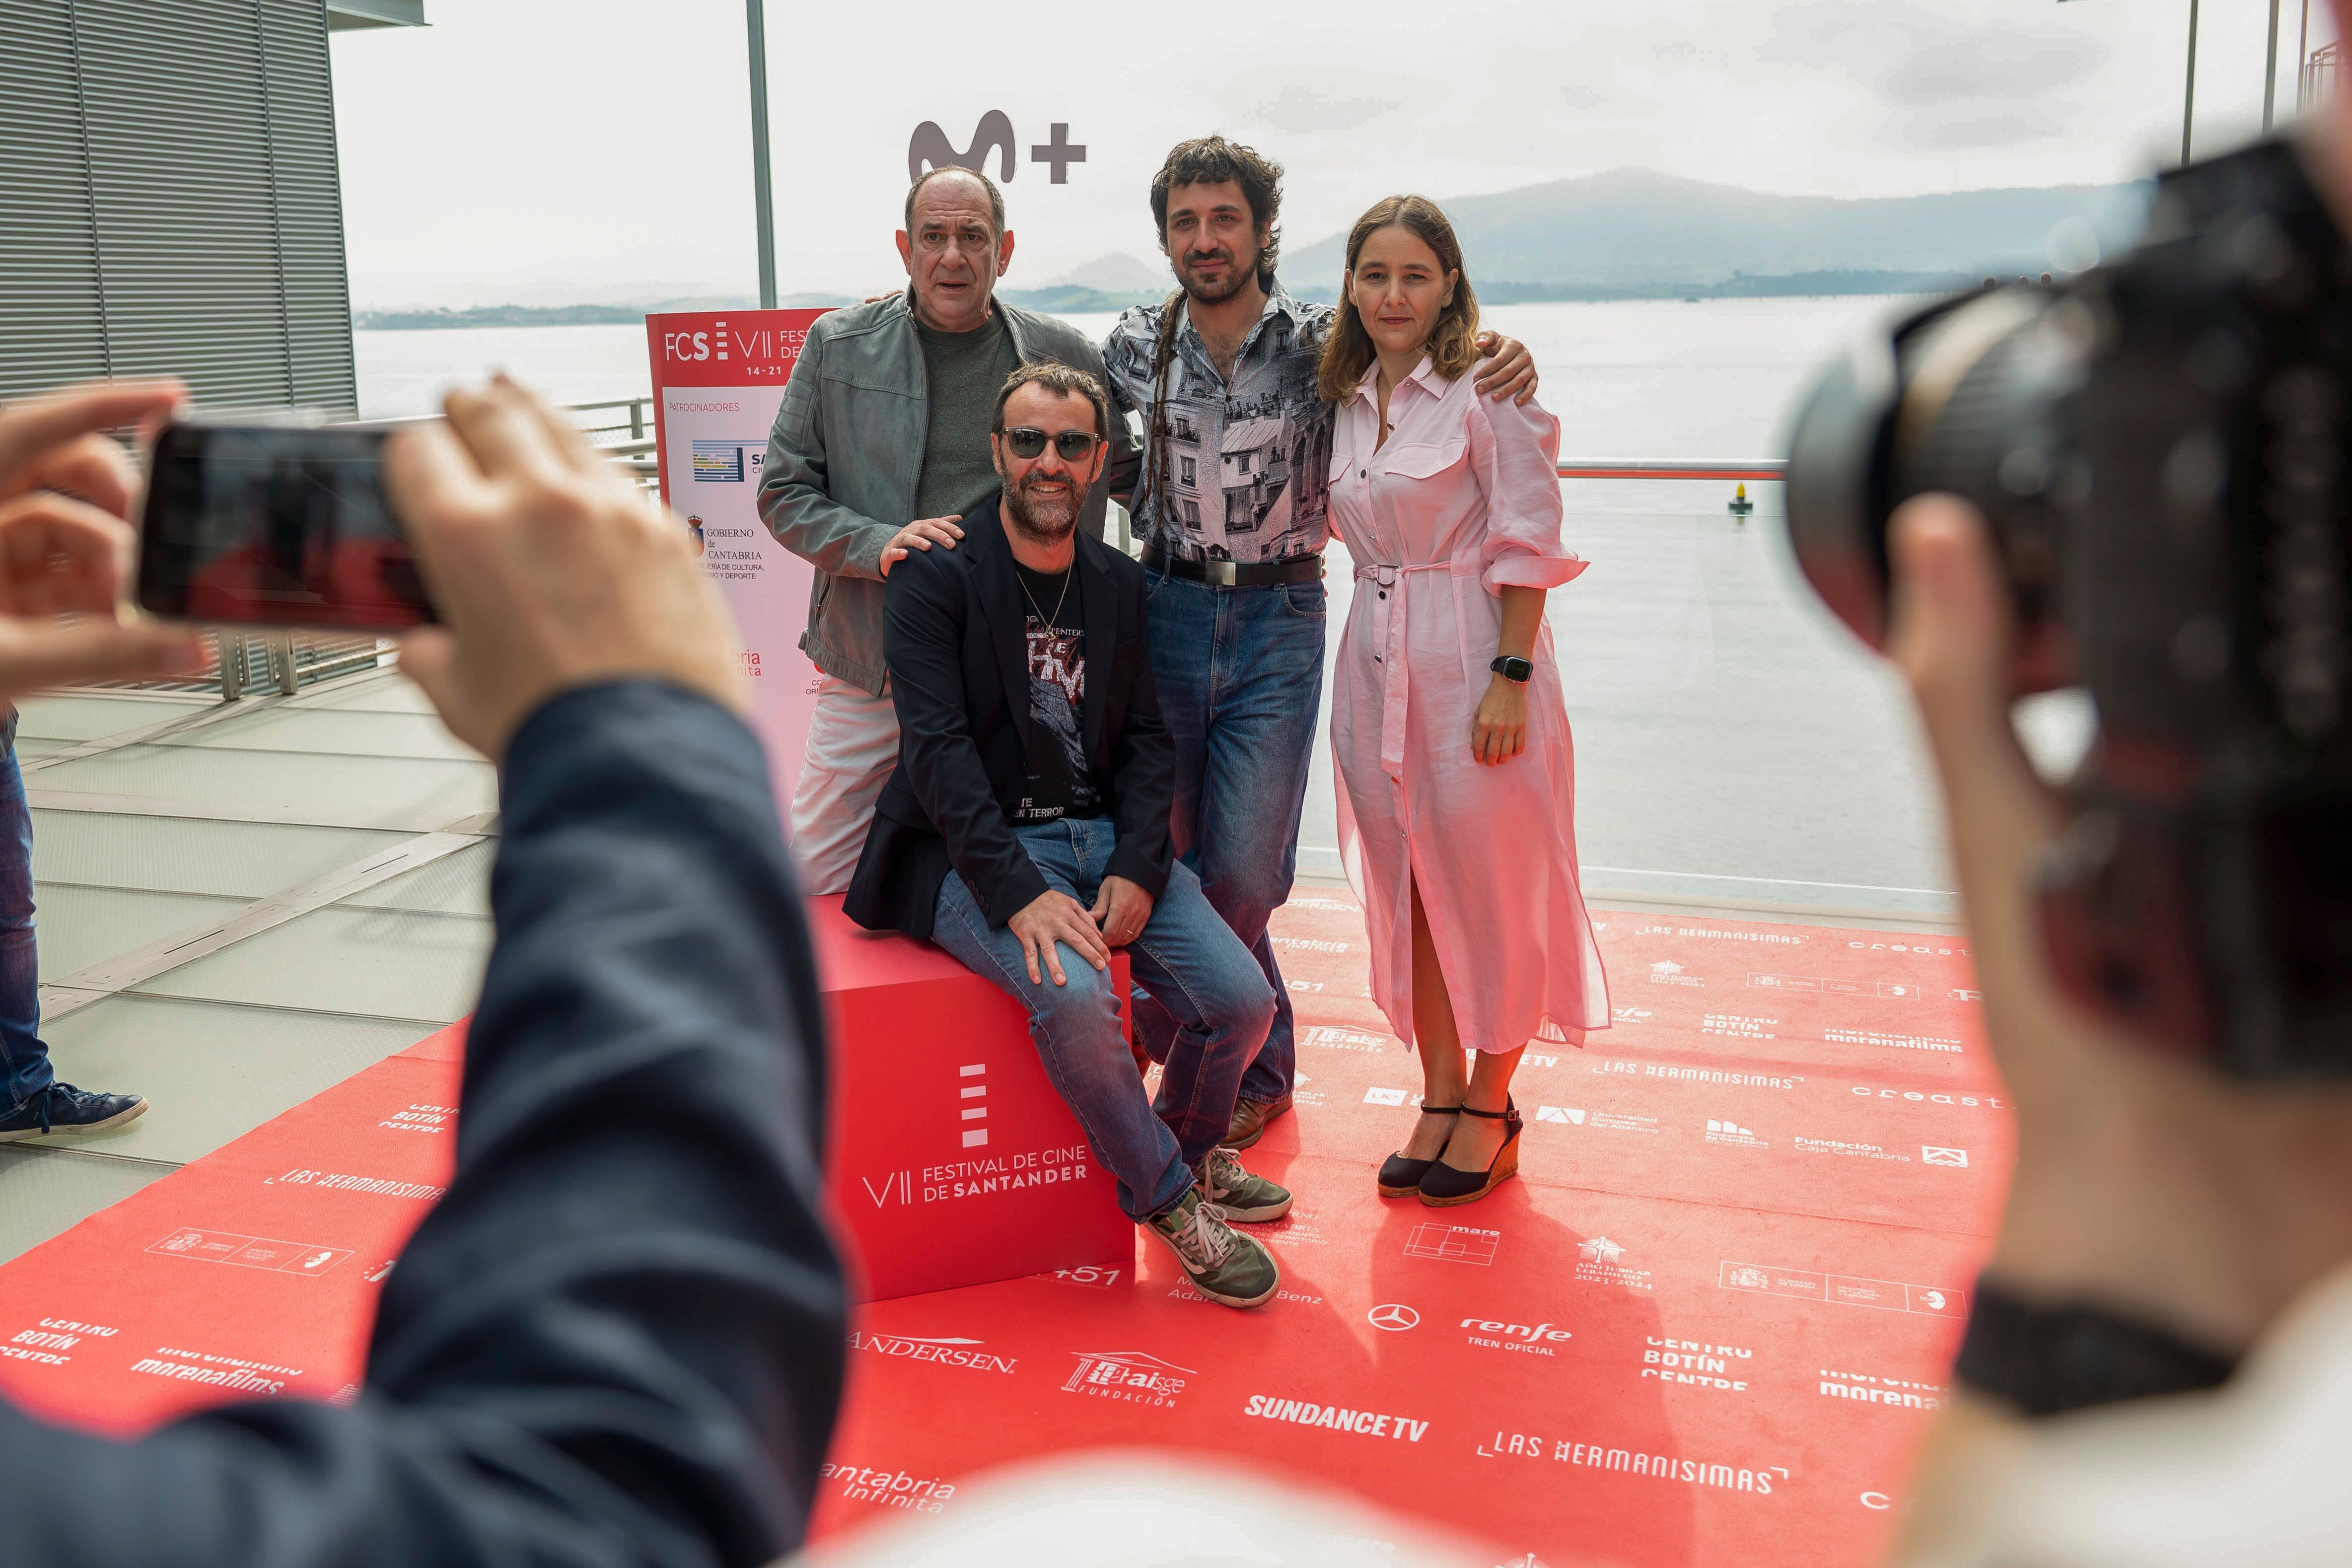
x: 530, y: 151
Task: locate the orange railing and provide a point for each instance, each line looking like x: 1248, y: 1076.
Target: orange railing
x: 1759, y: 469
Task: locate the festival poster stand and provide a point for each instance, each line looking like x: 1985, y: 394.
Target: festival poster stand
x: 718, y: 377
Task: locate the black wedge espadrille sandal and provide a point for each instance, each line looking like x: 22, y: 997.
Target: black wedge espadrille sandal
x: 1401, y: 1177
x: 1442, y: 1187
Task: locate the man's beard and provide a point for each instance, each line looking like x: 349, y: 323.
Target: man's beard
x: 1238, y: 274
x: 1046, y: 519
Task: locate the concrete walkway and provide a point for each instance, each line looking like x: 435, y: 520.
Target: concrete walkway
x: 239, y: 905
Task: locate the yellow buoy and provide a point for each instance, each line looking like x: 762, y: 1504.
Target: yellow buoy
x: 1740, y: 505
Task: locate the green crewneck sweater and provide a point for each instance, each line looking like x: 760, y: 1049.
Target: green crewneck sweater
x: 965, y: 371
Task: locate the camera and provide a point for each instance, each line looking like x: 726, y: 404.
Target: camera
x: 2158, y: 447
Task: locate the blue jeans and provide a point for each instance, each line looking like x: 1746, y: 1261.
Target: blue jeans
x: 23, y: 1058
x: 1185, y: 957
x: 1240, y: 672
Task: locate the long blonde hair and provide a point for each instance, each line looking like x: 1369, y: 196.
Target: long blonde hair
x: 1453, y: 341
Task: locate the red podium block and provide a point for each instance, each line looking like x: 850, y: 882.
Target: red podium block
x: 953, y: 1159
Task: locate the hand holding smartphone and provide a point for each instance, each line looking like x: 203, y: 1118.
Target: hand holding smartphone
x: 269, y: 525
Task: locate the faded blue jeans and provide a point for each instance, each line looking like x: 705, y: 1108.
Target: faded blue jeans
x: 23, y: 1058
x: 1185, y: 957
x: 1240, y: 672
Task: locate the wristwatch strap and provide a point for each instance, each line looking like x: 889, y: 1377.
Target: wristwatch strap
x: 2049, y: 1360
x: 1513, y: 669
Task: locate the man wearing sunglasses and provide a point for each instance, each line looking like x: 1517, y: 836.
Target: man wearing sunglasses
x: 1026, y: 829
x: 879, y: 449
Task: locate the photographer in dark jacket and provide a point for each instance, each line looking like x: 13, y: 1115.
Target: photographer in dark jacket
x: 619, y: 1339
x: 1028, y: 815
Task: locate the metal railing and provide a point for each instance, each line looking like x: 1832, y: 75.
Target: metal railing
x: 256, y: 663
x: 1752, y: 470
x: 623, y: 429
x: 627, y: 437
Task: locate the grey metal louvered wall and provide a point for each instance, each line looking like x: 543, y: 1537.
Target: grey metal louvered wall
x: 169, y: 201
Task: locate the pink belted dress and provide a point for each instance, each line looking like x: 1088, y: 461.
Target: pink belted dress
x: 1461, y: 502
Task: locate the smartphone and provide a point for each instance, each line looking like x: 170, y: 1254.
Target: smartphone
x: 274, y: 525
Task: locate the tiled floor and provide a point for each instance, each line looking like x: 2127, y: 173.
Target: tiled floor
x: 176, y: 833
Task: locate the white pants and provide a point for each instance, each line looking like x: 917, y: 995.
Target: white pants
x: 852, y: 744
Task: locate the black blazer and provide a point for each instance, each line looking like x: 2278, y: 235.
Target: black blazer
x: 954, y: 642
x: 618, y: 1341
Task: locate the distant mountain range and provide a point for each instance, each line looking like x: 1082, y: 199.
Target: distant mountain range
x: 1117, y: 273
x: 1634, y: 231
x: 569, y: 315
x: 1628, y: 234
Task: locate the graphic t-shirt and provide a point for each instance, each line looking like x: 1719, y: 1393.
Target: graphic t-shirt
x: 1063, y: 786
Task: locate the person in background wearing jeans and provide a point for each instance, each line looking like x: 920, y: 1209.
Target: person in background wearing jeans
x: 1229, y: 501
x: 879, y: 449
x: 1025, y: 831
x: 81, y: 482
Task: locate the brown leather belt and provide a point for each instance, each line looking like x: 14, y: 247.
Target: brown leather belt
x: 1235, y: 573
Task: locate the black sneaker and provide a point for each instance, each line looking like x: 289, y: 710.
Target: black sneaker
x: 62, y: 1108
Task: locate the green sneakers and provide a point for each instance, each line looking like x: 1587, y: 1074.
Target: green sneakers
x: 1222, y: 1263
x: 1242, y: 1196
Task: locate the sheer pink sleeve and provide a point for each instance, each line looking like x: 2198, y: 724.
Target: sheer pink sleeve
x: 1515, y: 454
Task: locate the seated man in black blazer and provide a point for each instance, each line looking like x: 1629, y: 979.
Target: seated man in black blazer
x: 1033, y: 764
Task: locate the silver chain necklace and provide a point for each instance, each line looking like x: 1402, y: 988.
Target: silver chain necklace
x: 1043, y: 618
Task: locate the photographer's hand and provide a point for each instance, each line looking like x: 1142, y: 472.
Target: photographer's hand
x: 2144, y: 1185
x: 2143, y: 1182
x: 548, y: 571
x: 65, y: 550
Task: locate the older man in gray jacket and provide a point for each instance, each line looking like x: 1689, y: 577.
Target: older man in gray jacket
x: 880, y: 447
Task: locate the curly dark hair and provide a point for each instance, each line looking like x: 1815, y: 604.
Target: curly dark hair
x: 1212, y: 161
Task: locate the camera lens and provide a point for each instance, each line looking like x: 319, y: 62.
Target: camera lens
x: 1965, y: 397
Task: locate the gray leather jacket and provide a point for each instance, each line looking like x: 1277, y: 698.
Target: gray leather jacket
x: 847, y: 451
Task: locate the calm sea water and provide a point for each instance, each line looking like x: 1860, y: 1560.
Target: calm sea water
x: 1648, y: 379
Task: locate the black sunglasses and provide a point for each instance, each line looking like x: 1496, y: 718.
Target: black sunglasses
x: 1027, y: 441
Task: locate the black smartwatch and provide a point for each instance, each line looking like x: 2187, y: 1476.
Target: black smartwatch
x: 1511, y: 669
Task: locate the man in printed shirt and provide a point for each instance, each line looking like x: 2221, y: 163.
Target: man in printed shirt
x: 1230, y: 501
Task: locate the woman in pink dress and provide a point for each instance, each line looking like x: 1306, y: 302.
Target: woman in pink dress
x: 1457, y: 784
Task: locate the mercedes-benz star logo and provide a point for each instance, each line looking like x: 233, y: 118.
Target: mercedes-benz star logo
x: 1394, y: 1316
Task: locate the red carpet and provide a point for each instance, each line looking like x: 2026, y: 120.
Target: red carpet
x: 1706, y: 1326
x: 252, y: 1272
